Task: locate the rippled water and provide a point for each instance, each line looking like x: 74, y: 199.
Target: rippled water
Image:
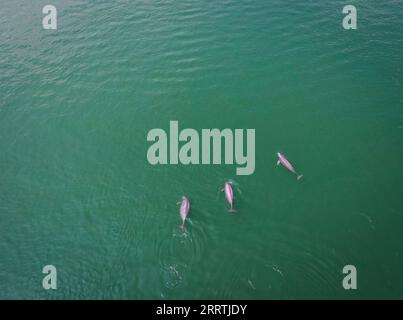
x: 76, y: 190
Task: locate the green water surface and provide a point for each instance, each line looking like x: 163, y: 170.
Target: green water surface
x: 77, y: 191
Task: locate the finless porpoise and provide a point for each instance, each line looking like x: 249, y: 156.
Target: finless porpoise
x: 184, y: 210
x: 283, y: 160
x: 229, y: 195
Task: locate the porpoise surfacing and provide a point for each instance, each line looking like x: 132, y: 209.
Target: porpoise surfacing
x: 229, y: 195
x: 283, y: 160
x: 184, y: 210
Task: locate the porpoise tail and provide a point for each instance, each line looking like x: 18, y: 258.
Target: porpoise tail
x: 300, y: 176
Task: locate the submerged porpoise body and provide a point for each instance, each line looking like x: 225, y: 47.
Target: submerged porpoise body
x: 283, y: 160
x: 184, y: 210
x: 229, y: 195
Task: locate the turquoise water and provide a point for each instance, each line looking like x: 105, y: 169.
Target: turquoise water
x: 77, y: 191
